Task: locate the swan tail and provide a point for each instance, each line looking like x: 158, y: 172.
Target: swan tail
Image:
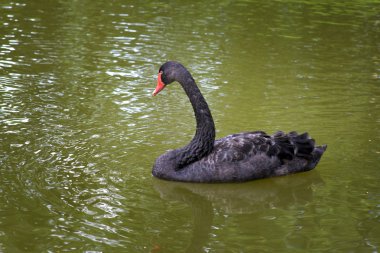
x: 297, y: 152
x: 316, y: 156
x: 303, y: 144
x: 293, y: 145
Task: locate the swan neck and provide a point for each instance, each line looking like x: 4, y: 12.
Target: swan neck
x: 203, y: 141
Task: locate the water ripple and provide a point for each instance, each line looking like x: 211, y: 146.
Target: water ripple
x: 80, y: 129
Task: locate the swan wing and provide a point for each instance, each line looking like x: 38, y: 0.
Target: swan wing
x: 238, y: 147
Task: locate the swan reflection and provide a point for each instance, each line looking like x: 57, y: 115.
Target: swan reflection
x: 253, y: 199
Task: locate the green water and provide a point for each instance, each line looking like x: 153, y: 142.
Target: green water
x: 79, y: 130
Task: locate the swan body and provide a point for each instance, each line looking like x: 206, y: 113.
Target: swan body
x: 234, y: 158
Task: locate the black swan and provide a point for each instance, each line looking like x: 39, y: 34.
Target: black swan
x: 234, y: 158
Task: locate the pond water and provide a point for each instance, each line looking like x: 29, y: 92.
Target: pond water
x: 79, y: 129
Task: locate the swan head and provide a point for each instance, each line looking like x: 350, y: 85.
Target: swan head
x: 169, y: 72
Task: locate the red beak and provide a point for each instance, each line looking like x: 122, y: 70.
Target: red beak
x: 160, y: 85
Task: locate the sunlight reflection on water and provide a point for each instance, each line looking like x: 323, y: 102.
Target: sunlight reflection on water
x: 80, y: 129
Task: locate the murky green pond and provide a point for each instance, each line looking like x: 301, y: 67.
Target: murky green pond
x: 79, y: 130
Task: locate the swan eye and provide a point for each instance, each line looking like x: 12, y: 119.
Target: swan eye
x: 163, y: 77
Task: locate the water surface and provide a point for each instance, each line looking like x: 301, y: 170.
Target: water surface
x: 79, y: 130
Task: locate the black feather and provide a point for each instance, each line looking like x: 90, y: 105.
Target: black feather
x: 237, y: 157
